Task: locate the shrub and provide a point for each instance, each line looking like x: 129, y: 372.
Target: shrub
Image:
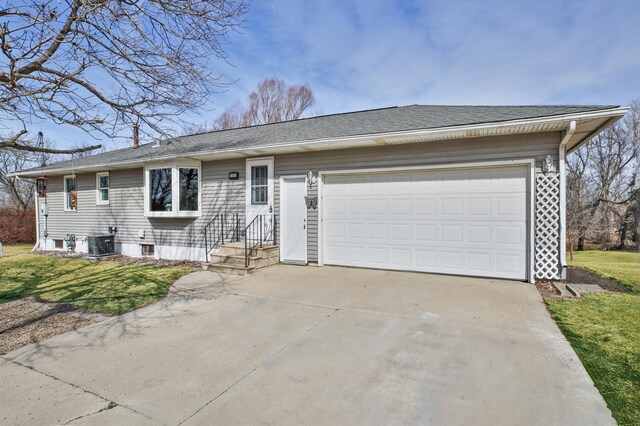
x: 17, y: 226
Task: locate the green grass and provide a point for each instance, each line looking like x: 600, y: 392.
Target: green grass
x: 14, y: 250
x: 604, y: 330
x: 622, y: 267
x: 108, y: 287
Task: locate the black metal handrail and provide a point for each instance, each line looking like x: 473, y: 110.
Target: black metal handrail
x: 218, y: 230
x: 262, y: 229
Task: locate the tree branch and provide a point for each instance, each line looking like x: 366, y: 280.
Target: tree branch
x: 54, y: 151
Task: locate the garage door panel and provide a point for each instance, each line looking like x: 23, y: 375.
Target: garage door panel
x: 469, y: 222
x: 357, y: 231
x: 476, y: 234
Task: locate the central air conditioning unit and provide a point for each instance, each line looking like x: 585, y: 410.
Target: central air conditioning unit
x: 101, y: 245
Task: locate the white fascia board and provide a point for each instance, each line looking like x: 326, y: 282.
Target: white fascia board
x: 360, y: 140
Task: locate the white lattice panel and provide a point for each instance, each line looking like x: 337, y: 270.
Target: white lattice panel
x: 547, y: 226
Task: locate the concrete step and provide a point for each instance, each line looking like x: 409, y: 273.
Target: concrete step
x: 227, y: 268
x: 238, y: 260
x: 237, y: 249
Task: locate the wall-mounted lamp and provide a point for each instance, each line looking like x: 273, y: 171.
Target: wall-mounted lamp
x: 234, y: 175
x: 547, y: 165
x: 311, y: 179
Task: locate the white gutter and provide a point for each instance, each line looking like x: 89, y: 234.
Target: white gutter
x: 562, y: 151
x: 454, y: 132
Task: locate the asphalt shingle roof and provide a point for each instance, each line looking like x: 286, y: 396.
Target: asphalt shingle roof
x: 393, y: 119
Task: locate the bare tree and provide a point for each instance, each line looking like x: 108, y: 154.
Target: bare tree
x: 102, y: 65
x: 272, y: 102
x: 601, y: 178
x: 18, y: 193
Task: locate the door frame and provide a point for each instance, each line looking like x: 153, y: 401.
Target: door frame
x: 530, y: 162
x: 306, y: 216
x: 270, y: 183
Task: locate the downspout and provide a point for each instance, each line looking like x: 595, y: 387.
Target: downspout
x: 37, y: 224
x: 562, y: 152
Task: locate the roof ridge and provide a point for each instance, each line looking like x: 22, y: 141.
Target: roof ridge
x: 290, y: 121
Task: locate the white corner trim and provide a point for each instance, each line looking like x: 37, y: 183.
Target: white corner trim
x: 532, y: 222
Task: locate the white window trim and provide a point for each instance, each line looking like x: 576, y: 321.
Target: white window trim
x: 175, y: 167
x: 64, y: 193
x: 100, y: 202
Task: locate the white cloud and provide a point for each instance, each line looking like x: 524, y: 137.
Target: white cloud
x: 374, y: 53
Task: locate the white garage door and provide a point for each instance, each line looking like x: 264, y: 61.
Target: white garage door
x: 463, y: 221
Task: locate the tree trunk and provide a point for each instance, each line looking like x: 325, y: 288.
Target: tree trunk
x: 581, y: 242
x: 623, y: 235
x: 571, y: 252
x: 637, y: 219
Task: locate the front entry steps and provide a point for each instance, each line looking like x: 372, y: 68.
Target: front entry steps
x: 230, y: 259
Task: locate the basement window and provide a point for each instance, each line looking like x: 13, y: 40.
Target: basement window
x: 147, y: 250
x: 58, y: 244
x: 173, y: 190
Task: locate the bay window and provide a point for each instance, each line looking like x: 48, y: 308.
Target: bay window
x: 160, y: 190
x: 189, y: 189
x: 173, y: 190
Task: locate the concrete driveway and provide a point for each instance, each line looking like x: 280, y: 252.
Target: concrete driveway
x: 309, y: 345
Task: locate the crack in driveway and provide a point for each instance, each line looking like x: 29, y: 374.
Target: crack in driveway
x: 262, y: 363
x: 110, y: 404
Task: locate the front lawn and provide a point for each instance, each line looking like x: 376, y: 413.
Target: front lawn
x: 16, y: 249
x: 604, y: 330
x: 620, y: 266
x: 108, y: 287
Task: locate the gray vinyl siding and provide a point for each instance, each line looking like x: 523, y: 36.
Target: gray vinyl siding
x: 219, y: 194
x: 126, y: 206
x: 512, y: 147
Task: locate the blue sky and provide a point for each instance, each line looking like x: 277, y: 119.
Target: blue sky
x: 372, y: 53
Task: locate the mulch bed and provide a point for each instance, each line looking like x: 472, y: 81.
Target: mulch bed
x: 584, y: 276
x: 124, y: 259
x: 27, y: 321
x: 547, y: 290
x: 579, y: 276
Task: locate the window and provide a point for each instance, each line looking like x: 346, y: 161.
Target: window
x: 147, y: 249
x: 102, y: 188
x: 58, y: 244
x: 70, y: 193
x: 160, y: 191
x: 173, y: 190
x: 259, y: 185
x: 188, y: 189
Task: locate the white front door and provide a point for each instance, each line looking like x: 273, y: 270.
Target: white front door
x: 293, y: 222
x: 259, y: 192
